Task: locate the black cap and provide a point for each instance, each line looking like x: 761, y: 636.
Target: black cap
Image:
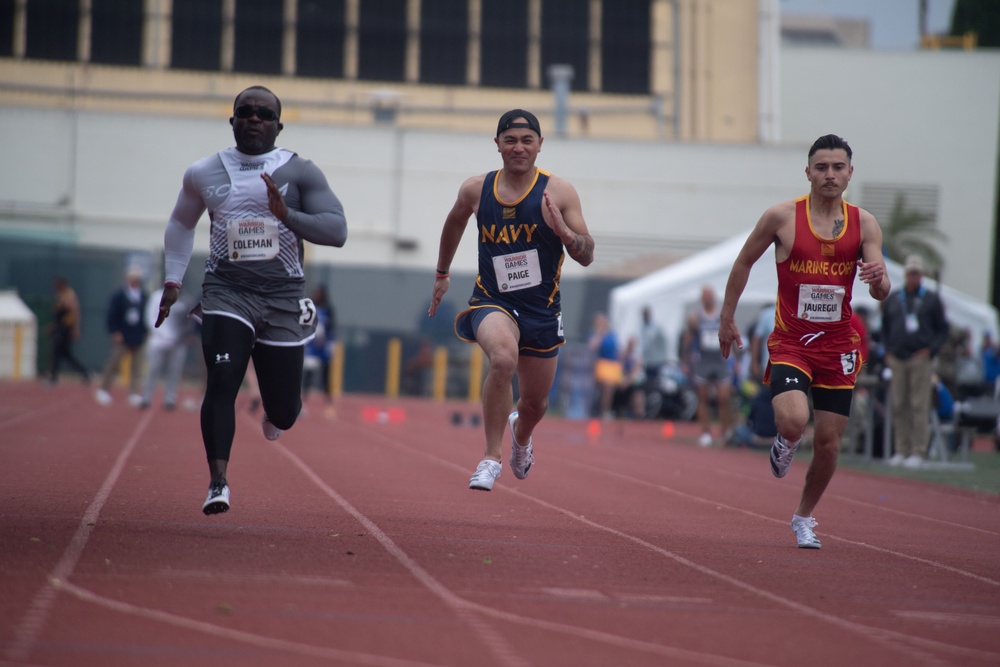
x: 507, y: 121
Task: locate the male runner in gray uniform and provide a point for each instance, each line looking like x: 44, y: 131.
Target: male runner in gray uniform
x: 525, y: 217
x: 263, y: 202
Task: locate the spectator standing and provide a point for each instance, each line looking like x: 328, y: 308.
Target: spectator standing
x: 166, y: 352
x: 128, y: 331
x: 653, y: 352
x: 708, y: 367
x: 914, y: 329
x: 608, y: 371
x: 65, y: 330
x: 991, y: 362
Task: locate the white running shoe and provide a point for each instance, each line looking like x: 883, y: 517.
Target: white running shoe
x: 521, y: 457
x: 271, y: 432
x: 781, y: 456
x: 135, y: 400
x: 217, y: 501
x: 486, y: 473
x: 103, y: 396
x: 913, y: 461
x: 803, y: 526
x: 705, y: 439
x: 896, y: 460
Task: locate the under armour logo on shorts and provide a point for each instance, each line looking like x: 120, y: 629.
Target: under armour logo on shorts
x: 791, y: 380
x: 220, y: 358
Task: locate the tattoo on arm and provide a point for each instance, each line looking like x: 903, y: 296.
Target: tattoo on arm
x: 581, y: 249
x: 837, y: 226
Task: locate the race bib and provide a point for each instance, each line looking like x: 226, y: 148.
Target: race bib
x: 518, y: 270
x: 252, y: 239
x: 709, y: 339
x: 821, y: 303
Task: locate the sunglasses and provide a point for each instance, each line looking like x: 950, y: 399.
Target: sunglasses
x: 264, y: 113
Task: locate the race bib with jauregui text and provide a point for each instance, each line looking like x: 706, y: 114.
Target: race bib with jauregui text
x: 821, y: 303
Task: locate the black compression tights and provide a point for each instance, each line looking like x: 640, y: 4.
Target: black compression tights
x: 228, y: 346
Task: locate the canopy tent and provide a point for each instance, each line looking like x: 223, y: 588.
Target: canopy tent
x: 674, y: 291
x: 18, y: 337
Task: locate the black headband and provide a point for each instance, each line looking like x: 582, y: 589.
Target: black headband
x: 507, y: 121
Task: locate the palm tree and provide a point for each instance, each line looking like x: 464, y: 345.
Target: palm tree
x: 912, y: 232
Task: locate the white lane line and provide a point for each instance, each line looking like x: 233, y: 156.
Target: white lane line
x: 714, y: 503
x: 349, y: 657
x: 896, y: 640
x: 38, y: 611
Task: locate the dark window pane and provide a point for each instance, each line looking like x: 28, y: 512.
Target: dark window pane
x: 320, y: 38
x: 6, y: 27
x: 505, y: 43
x: 196, y: 42
x: 444, y: 28
x: 258, y: 31
x: 382, y: 40
x: 52, y: 29
x: 565, y: 29
x: 116, y: 32
x: 625, y: 47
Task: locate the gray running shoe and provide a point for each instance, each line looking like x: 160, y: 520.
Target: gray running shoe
x: 486, y: 473
x: 781, y: 456
x: 520, y: 456
x: 804, y: 534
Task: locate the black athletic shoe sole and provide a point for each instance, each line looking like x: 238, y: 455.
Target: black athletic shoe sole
x: 215, y: 508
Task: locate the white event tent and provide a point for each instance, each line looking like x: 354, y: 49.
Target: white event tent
x: 675, y: 290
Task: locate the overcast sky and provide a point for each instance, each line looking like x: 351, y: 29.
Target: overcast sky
x: 895, y: 24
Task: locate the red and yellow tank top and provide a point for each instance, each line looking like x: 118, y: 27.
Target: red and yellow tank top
x: 816, y: 281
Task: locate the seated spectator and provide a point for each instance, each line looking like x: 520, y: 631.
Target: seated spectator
x: 759, y: 429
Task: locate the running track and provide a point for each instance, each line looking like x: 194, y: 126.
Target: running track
x: 354, y: 542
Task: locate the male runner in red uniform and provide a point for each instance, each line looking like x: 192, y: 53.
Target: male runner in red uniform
x: 821, y: 243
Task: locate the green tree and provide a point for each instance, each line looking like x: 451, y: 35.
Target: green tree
x: 979, y: 16
x: 912, y: 232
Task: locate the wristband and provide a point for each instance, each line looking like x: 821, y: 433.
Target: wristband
x: 441, y: 276
x: 171, y: 283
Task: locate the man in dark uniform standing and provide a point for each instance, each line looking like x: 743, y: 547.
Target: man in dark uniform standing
x: 525, y: 218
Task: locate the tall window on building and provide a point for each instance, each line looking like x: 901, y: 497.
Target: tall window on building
x: 565, y: 35
x: 258, y: 30
x: 6, y: 27
x: 625, y: 47
x: 196, y: 42
x: 444, y: 26
x: 52, y: 29
x: 382, y: 40
x: 116, y: 32
x: 504, y: 44
x: 319, y: 45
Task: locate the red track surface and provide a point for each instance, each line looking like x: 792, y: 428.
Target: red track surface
x: 354, y: 542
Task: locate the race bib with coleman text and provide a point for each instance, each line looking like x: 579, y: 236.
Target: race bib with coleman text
x: 252, y: 239
x: 518, y: 270
x: 821, y: 303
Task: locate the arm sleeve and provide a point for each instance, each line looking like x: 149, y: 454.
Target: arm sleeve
x: 178, y: 239
x: 321, y: 220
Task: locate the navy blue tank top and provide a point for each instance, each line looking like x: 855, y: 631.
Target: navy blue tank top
x: 520, y: 257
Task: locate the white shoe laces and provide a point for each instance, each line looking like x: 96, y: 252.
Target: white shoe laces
x: 804, y: 531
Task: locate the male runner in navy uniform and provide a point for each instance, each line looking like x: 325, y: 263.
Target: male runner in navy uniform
x: 263, y: 202
x: 525, y: 217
